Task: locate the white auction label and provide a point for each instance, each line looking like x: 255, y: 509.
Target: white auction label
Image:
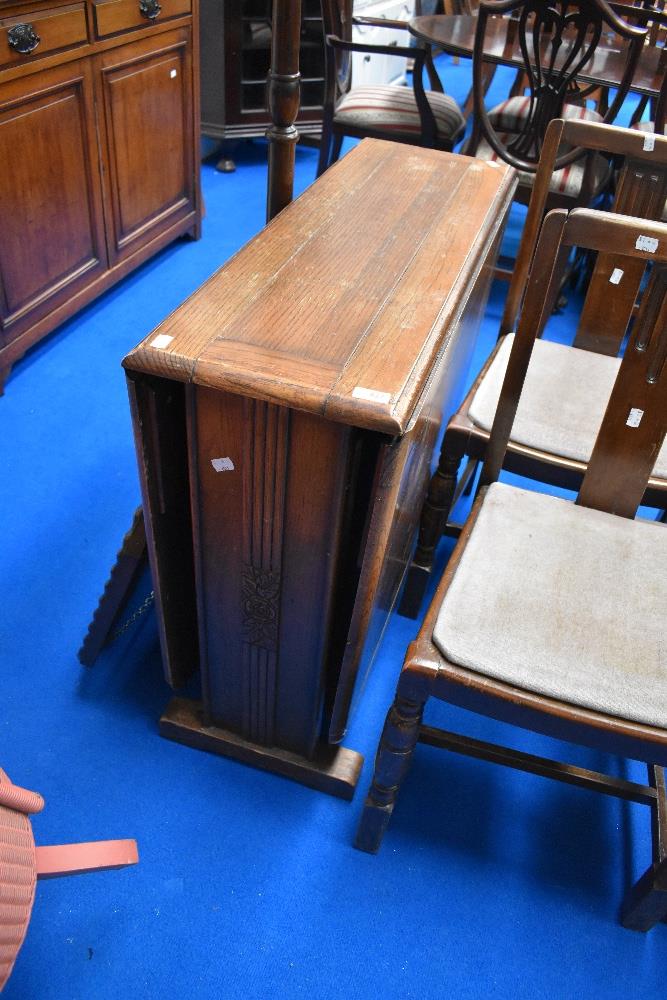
x: 648, y: 243
x: 372, y: 395
x: 162, y: 340
x: 634, y: 417
x: 616, y: 275
x: 222, y: 464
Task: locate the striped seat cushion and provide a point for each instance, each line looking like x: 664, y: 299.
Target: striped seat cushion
x: 509, y: 115
x: 394, y: 109
x: 566, y: 181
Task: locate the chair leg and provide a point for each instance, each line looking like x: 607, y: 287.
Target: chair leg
x: 336, y: 146
x: 397, y: 744
x: 325, y: 146
x: 432, y: 523
x: 646, y: 902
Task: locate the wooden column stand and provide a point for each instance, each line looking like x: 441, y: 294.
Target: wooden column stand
x: 285, y: 417
x: 283, y: 103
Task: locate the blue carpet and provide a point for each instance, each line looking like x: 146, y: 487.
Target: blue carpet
x: 489, y: 883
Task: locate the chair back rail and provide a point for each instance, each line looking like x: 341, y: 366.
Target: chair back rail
x: 556, y: 39
x: 641, y: 191
x: 635, y: 422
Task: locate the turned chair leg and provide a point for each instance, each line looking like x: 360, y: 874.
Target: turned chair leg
x: 432, y: 523
x: 397, y: 744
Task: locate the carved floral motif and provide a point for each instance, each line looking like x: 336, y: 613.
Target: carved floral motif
x: 261, y: 592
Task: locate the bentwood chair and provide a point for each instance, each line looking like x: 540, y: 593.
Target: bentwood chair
x: 553, y: 436
x: 551, y: 614
x: 556, y: 41
x: 404, y: 114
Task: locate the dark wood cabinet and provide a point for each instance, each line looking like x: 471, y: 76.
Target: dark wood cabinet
x: 150, y: 180
x: 98, y: 132
x: 52, y: 240
x: 235, y: 58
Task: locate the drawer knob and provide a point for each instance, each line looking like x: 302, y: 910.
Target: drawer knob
x: 23, y: 38
x: 149, y: 9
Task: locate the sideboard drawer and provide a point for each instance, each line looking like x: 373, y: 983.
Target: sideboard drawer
x: 23, y: 39
x: 113, y: 16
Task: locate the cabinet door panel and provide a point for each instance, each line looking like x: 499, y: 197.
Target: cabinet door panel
x: 148, y: 114
x: 50, y: 198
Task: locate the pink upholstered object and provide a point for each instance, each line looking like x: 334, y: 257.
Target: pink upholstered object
x: 21, y: 864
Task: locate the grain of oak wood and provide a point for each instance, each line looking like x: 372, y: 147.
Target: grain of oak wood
x: 316, y: 364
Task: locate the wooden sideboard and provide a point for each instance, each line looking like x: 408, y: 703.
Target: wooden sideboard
x: 99, y: 126
x: 285, y: 417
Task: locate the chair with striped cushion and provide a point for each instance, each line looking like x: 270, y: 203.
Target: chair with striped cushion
x: 550, y: 616
x: 556, y: 41
x: 556, y: 423
x: 404, y: 114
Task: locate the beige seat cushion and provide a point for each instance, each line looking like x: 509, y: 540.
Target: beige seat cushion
x: 564, y: 601
x: 394, y: 109
x: 563, y: 401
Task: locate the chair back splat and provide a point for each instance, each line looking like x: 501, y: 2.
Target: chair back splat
x: 641, y: 191
x: 557, y: 40
x: 635, y: 422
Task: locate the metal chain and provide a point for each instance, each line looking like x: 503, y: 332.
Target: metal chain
x: 139, y: 613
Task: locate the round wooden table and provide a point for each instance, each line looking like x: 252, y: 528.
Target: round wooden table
x: 455, y: 33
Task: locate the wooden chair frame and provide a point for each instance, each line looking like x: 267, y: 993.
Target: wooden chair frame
x: 615, y: 481
x: 641, y: 191
x: 541, y: 30
x: 338, y: 67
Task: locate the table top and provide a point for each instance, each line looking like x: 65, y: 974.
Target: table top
x: 455, y: 33
x: 341, y: 305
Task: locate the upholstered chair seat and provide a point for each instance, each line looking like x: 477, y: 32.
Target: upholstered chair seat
x: 510, y: 115
x: 563, y: 400
x: 592, y: 588
x: 566, y: 181
x: 394, y: 110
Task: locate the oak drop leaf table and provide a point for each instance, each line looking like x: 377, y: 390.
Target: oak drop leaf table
x: 285, y: 417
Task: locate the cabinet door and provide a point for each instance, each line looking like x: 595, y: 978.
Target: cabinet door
x: 51, y: 226
x: 149, y: 156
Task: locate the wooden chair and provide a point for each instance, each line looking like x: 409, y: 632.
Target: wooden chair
x: 554, y: 434
x: 655, y: 19
x: 556, y: 40
x: 403, y: 114
x: 551, y: 614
